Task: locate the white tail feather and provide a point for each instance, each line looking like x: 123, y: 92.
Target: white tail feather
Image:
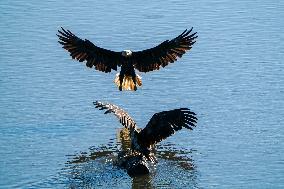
x: 128, y: 83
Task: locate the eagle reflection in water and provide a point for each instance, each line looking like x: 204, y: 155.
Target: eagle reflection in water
x: 83, y: 171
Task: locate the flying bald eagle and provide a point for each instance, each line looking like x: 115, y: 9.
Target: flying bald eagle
x: 160, y: 126
x: 144, y: 61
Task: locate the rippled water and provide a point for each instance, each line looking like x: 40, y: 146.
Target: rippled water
x: 232, y: 78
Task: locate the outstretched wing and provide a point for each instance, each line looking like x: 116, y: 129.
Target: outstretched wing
x: 164, y: 124
x: 123, y: 116
x: 102, y: 59
x: 163, y: 54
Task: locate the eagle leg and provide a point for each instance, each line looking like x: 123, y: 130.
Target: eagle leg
x: 121, y: 76
x: 133, y: 75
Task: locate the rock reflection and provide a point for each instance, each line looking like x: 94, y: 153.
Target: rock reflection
x: 144, y: 182
x: 95, y: 168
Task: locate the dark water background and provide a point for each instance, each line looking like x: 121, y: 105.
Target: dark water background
x: 232, y: 78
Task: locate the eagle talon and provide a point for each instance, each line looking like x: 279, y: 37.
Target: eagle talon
x: 120, y: 88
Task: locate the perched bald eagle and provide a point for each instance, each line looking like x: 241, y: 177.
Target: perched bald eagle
x: 144, y: 61
x: 160, y: 126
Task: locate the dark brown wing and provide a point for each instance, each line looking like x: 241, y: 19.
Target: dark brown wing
x: 102, y: 59
x: 163, y: 54
x: 122, y: 115
x: 164, y: 124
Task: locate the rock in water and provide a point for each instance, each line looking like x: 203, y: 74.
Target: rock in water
x: 135, y: 164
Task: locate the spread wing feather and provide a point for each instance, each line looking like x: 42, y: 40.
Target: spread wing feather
x: 123, y: 116
x: 165, y: 53
x: 83, y: 50
x: 166, y: 123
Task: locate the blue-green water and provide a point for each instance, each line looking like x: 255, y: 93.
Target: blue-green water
x: 232, y: 78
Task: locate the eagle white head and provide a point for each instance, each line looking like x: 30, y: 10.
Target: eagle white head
x: 126, y: 53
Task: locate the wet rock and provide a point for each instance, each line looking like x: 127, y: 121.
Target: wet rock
x: 135, y: 164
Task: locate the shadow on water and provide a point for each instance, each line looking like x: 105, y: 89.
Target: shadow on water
x: 95, y: 169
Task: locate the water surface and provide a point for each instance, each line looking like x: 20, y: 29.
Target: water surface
x: 232, y: 78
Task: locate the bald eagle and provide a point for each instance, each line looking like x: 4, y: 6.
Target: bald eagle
x: 144, y: 61
x: 160, y: 126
